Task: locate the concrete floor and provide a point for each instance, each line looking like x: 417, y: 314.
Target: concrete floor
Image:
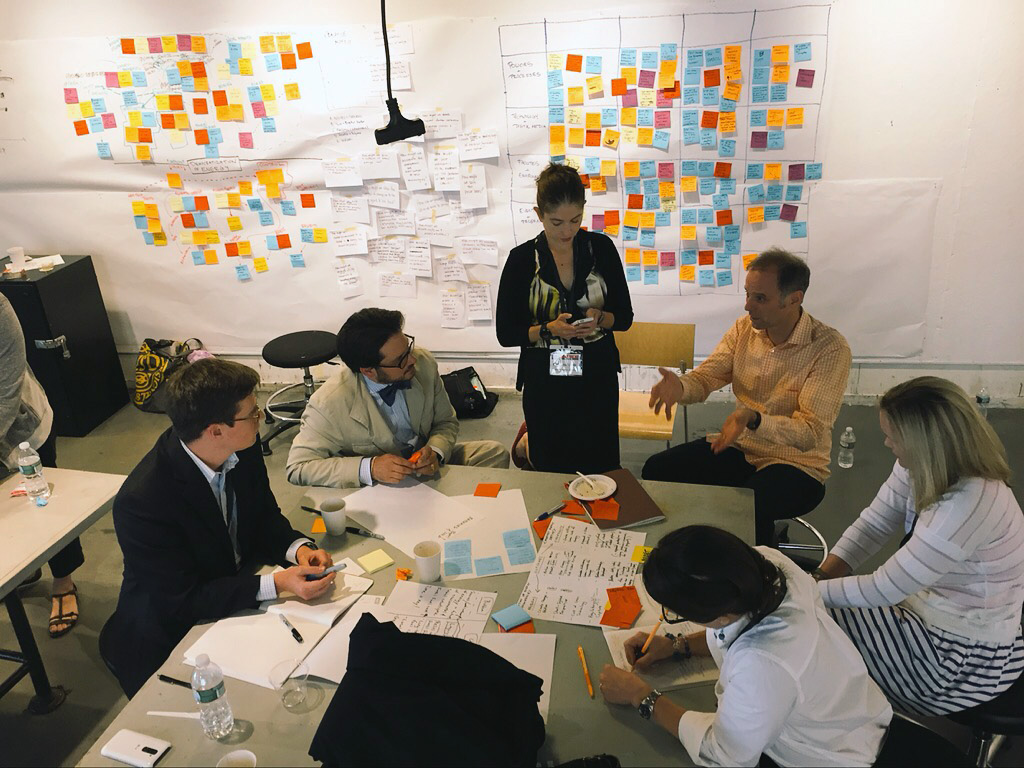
x: 62, y: 737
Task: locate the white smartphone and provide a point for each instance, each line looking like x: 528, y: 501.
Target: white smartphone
x: 135, y: 748
x: 584, y: 321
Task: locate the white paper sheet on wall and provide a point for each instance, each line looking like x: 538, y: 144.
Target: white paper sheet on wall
x: 396, y: 285
x: 478, y: 302
x: 472, y: 186
x: 349, y: 282
x: 478, y: 145
x: 453, y: 308
x: 342, y: 173
x: 477, y: 250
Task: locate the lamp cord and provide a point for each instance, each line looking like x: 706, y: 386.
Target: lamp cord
x: 387, y: 51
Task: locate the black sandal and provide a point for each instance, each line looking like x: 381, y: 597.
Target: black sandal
x: 70, y: 618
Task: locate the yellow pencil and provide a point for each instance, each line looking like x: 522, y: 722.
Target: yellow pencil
x: 649, y: 638
x: 586, y: 672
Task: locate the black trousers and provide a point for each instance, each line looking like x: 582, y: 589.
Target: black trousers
x: 69, y: 559
x: 781, y: 491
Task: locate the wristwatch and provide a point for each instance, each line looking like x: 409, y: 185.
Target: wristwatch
x: 753, y: 425
x: 545, y: 332
x: 646, y: 708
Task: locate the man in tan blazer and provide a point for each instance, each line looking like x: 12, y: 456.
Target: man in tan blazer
x: 384, y: 417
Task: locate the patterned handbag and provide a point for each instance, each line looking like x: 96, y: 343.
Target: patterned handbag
x: 158, y: 359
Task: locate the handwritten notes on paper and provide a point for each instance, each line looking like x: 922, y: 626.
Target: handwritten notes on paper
x: 434, y: 610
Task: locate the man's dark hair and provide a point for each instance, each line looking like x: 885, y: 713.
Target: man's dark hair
x: 792, y: 272
x: 703, y: 573
x: 207, y: 392
x: 364, y: 333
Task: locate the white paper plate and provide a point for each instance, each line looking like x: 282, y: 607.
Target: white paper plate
x: 603, y: 487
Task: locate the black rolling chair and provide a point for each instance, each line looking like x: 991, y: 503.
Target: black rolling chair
x: 992, y: 721
x: 909, y: 743
x: 301, y: 349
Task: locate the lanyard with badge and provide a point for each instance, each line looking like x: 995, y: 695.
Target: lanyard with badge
x: 565, y: 359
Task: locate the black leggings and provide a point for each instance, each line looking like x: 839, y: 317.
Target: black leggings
x: 68, y: 560
x: 781, y: 491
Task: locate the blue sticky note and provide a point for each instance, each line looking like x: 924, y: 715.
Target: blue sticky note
x: 758, y: 118
x: 688, y: 168
x: 556, y: 115
x: 779, y: 91
x: 774, y: 192
x: 726, y: 105
x: 732, y: 246
x: 273, y: 61
x: 95, y: 124
x: 691, y: 76
x: 593, y: 65
x: 609, y: 116
x: 288, y: 207
x: 139, y: 78
x: 233, y: 67
x: 254, y: 203
x: 271, y: 241
x: 592, y: 165
x: 216, y: 135
x: 556, y: 97
x: 691, y: 134
x: 634, y: 187
x: 633, y: 273
x: 727, y: 148
x: 713, y: 57
x: 511, y: 617
x: 648, y: 170
x: 297, y: 260
x: 520, y: 555
x: 758, y: 93
x: 649, y: 60
x: 188, y: 84
x: 188, y: 202
x: 706, y: 278
x: 627, y: 57
x: 798, y: 229
x: 149, y: 119
x: 706, y: 186
x: 306, y: 234
x: 130, y: 98
x: 776, y: 139
x: 755, y: 171
x: 709, y: 96
x: 688, y: 216
x: 254, y: 93
x: 652, y: 203
x: 762, y: 57
x: 266, y: 219
x: 458, y: 549
x: 103, y: 150
x: 458, y: 567
x: 141, y: 222
x: 713, y: 234
x: 148, y: 237
x: 242, y: 272
x: 691, y: 95
x: 197, y: 258
x: 200, y: 218
x: 812, y: 171
x: 662, y: 219
x: 173, y: 76
x: 645, y: 117
x: 756, y: 193
x: 212, y: 150
x: 761, y: 76
x: 688, y: 256
x: 555, y: 78
x: 269, y: 126
x: 705, y: 216
x: 731, y: 232
x: 519, y: 537
x: 727, y: 186
x: 650, y: 275
x: 234, y: 50
x: 647, y: 238
x: 708, y: 138
x: 669, y: 51
x: 724, y: 277
x: 723, y: 260
x: 695, y: 57
x: 630, y: 233
x: 771, y: 212
x: 802, y: 52
x: 650, y: 186
x: 661, y: 139
x: 794, y: 192
x: 719, y: 202
x: 99, y: 105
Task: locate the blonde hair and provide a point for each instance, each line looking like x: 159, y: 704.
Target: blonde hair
x: 944, y: 437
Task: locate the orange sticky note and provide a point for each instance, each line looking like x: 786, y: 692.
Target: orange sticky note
x: 618, y: 86
x: 573, y: 507
x: 731, y: 54
x: 189, y: 221
x: 220, y: 98
x: 202, y: 203
x: 644, y: 137
x: 210, y: 257
x: 82, y: 128
x: 200, y: 107
x: 794, y: 116
x: 304, y: 50
x: 576, y: 137
x: 780, y: 54
x: 732, y: 91
x: 712, y: 77
x: 318, y: 526
x: 288, y: 60
x: 780, y: 73
x: 747, y: 258
x: 284, y: 241
x: 723, y: 170
x: 202, y: 136
x: 245, y: 187
x: 611, y: 217
x: 403, y: 574
x: 487, y: 489
x: 709, y: 119
x: 146, y: 135
x: 727, y: 122
x: 604, y: 509
x: 772, y: 171
x: 632, y: 256
x: 574, y: 62
x: 541, y: 526
x: 687, y: 272
x: 308, y: 200
x: 177, y: 103
x: 127, y: 45
x: 755, y: 214
x: 688, y: 183
x: 166, y: 120
x: 723, y: 218
x: 631, y: 169
x: 774, y: 118
x: 526, y: 627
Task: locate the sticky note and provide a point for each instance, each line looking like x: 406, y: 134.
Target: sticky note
x: 403, y: 574
x: 488, y: 566
x: 608, y: 509
x: 540, y: 527
x: 513, y: 616
x: 318, y: 526
x: 640, y: 554
x: 487, y: 489
x: 374, y: 561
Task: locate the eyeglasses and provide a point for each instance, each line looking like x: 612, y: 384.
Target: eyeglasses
x: 257, y: 415
x: 671, y: 617
x: 400, y: 363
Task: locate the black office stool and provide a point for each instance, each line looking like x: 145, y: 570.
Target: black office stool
x: 807, y: 556
x: 908, y: 743
x: 992, y: 721
x: 301, y: 349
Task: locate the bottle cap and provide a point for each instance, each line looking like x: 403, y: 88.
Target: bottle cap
x: 25, y: 446
x: 202, y: 660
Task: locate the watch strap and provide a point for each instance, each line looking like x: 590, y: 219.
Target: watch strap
x: 646, y: 708
x: 753, y: 425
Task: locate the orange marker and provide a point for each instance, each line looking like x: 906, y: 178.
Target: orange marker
x: 416, y: 456
x: 586, y: 672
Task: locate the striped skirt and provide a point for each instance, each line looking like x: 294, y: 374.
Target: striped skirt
x: 924, y: 670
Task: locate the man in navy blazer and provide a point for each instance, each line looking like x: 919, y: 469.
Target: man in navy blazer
x: 194, y: 518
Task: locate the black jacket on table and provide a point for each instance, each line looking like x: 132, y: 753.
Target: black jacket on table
x: 179, y: 566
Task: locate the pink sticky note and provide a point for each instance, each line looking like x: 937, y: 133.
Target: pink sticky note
x: 788, y: 212
x: 70, y: 95
x: 667, y: 258
x: 598, y: 222
x: 666, y: 171
x: 646, y: 79
x: 758, y: 139
x: 111, y: 78
x: 804, y: 78
x: 660, y: 100
x: 629, y: 98
x: 796, y: 172
x: 108, y: 120
x: 663, y: 119
x: 184, y: 42
x: 245, y: 140
x: 259, y: 109
x: 155, y: 45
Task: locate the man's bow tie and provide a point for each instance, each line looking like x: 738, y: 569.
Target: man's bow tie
x: 388, y: 393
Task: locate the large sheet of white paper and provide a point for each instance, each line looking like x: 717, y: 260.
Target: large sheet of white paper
x: 576, y: 565
x: 667, y: 674
x: 327, y: 608
x: 498, y: 541
x: 329, y: 659
x: 531, y: 653
x: 432, y: 610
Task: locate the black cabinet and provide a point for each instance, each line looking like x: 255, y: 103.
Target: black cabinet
x: 69, y: 344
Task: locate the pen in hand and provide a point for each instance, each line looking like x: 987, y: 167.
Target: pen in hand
x: 647, y: 644
x: 295, y: 632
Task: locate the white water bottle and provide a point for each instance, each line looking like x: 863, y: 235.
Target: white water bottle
x: 846, y: 443
x: 212, y: 698
x: 31, y: 468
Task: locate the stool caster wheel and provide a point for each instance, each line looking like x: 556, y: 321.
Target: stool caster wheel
x: 266, y: 450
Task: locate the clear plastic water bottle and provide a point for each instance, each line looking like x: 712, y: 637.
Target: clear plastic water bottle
x: 31, y: 468
x: 846, y: 443
x: 983, y: 400
x: 209, y: 692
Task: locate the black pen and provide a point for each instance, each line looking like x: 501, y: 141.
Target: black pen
x: 173, y: 681
x: 295, y: 632
x: 362, y: 532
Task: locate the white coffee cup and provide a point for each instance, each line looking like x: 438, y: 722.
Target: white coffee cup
x: 239, y: 758
x: 427, y: 567
x: 17, y: 256
x: 333, y: 513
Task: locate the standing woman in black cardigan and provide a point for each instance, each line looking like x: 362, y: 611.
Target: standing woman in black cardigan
x: 562, y: 294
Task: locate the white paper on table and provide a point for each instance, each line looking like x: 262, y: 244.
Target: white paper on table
x: 442, y: 123
x: 349, y: 282
x: 438, y: 231
x: 343, y: 172
x: 453, y: 308
x: 39, y: 262
x: 668, y: 674
x: 407, y: 513
x: 387, y: 250
x: 329, y: 659
x: 478, y: 145
x: 326, y: 609
x: 436, y: 610
x: 446, y: 168
x: 379, y: 164
x: 396, y: 285
x: 478, y: 301
x: 396, y: 223
x: 350, y: 209
x: 414, y: 170
x: 451, y: 270
x: 575, y: 566
x: 248, y: 647
x: 417, y: 257
x: 348, y: 241
x: 472, y: 186
x: 531, y: 653
x: 384, y: 194
x: 496, y: 516
x: 477, y: 250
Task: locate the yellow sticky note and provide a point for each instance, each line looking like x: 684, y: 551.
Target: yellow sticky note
x: 647, y: 219
x: 733, y: 74
x: 688, y: 183
x: 200, y: 84
x: 628, y: 116
x: 180, y: 121
x: 212, y: 236
x: 688, y: 232
x: 245, y: 66
x: 666, y: 189
x: 159, y: 238
x: 555, y: 61
x: 174, y: 180
x: 234, y: 95
x: 727, y: 122
x: 686, y: 272
x: 631, y: 169
x: 138, y: 208
x: 595, y: 85
x: 608, y: 167
x: 628, y: 74
x: 135, y: 119
x: 234, y: 200
x: 210, y: 256
x: 124, y: 78
x: 267, y: 92
x: 271, y: 107
x: 375, y: 560
x: 775, y: 117
x: 640, y: 553
x: 266, y: 43
x: 291, y: 91
x: 575, y: 95
x: 175, y: 203
x: 198, y: 44
x: 318, y: 526
x: 245, y: 187
x: 152, y: 211
x: 644, y: 137
x: 780, y: 73
x: 199, y: 237
x: 244, y: 248
x: 260, y: 264
x: 755, y: 214
x: 650, y: 258
x: 185, y: 68
x: 319, y: 234
x: 666, y: 78
x: 780, y: 54
x: 154, y: 225
x: 628, y: 134
x: 632, y: 256
x: 85, y: 107
x: 223, y: 112
x: 284, y: 43
x: 593, y: 121
x: 631, y: 218
x: 236, y: 112
x: 576, y: 137
x: 234, y: 223
x: 273, y: 190
x: 772, y: 171
x: 598, y: 184
x: 142, y: 153
x: 170, y: 43
x: 747, y: 258
x: 731, y: 55
x: 610, y: 138
x: 795, y: 116
x: 220, y: 200
x: 574, y: 116
x: 163, y: 102
x: 732, y: 91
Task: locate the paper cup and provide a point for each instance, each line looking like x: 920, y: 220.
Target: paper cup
x: 427, y: 567
x: 240, y: 758
x: 17, y: 256
x: 335, y: 519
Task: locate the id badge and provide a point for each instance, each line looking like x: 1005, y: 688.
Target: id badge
x: 566, y: 361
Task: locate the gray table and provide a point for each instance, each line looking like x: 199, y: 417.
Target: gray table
x: 577, y: 725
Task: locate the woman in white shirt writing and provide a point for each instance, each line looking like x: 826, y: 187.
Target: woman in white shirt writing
x: 939, y: 623
x: 791, y: 685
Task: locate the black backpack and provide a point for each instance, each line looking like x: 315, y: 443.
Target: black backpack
x: 468, y: 395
